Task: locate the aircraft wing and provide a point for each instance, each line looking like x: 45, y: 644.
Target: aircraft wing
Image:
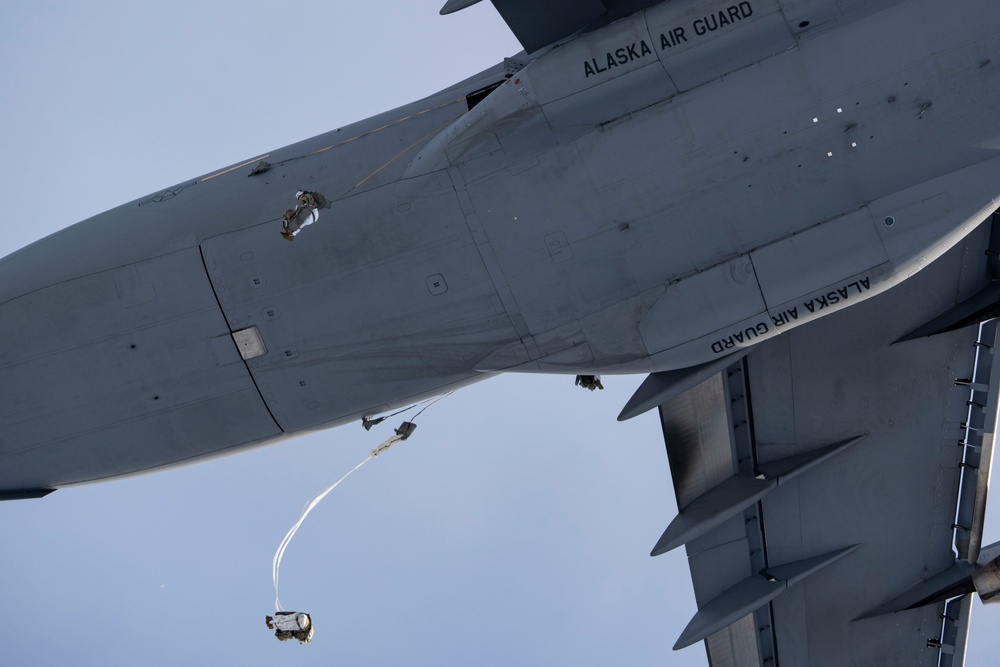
x: 818, y: 481
x: 538, y: 23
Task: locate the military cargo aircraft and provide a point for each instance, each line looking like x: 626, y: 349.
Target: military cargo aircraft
x: 674, y: 189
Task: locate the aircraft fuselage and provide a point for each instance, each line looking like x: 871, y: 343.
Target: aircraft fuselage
x: 651, y: 195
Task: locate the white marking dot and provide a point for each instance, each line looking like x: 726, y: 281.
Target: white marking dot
x: 839, y: 110
x: 830, y: 154
x: 815, y: 120
x: 854, y: 144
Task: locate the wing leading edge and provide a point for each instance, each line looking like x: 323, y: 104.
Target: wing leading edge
x: 818, y: 481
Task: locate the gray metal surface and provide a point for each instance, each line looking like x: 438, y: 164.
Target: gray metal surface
x: 736, y: 646
x: 349, y: 300
x: 116, y: 349
x: 538, y: 24
x: 752, y: 593
x: 699, y: 419
x: 698, y: 433
x: 116, y: 372
x: 740, y: 493
x: 894, y: 494
x: 659, y: 388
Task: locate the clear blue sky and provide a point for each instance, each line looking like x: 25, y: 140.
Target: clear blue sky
x: 513, y: 528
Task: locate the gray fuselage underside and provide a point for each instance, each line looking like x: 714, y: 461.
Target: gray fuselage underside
x: 580, y: 219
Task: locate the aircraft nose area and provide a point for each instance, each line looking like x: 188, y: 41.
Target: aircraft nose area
x: 117, y: 372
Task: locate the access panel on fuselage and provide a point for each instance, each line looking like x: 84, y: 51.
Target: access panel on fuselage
x: 383, y: 299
